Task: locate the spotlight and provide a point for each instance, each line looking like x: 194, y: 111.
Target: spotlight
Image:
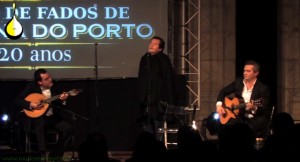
x: 216, y: 116
x: 212, y: 123
x: 4, y: 118
x: 5, y: 131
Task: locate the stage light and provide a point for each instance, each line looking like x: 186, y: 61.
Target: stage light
x: 216, y: 116
x: 4, y: 118
x: 5, y: 131
x: 212, y: 123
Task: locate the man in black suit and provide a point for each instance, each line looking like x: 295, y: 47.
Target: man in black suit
x: 38, y: 121
x: 253, y: 101
x: 155, y: 85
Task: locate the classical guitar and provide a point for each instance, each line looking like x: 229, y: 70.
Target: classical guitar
x: 40, y: 98
x: 232, y: 107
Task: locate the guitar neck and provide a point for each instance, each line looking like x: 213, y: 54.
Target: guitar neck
x: 72, y: 93
x: 48, y: 100
x: 243, y: 105
x: 240, y: 106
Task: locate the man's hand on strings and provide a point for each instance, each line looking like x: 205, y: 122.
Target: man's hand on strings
x: 64, y: 96
x: 220, y: 110
x: 36, y: 106
x: 250, y: 106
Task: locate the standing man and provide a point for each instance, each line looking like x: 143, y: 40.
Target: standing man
x: 253, y: 101
x: 38, y: 124
x: 155, y: 85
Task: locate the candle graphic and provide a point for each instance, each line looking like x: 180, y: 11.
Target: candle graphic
x: 13, y: 28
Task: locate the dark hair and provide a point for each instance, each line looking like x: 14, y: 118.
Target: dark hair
x: 37, y: 74
x: 161, y: 42
x: 256, y: 66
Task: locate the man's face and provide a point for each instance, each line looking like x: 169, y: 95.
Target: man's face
x: 46, y: 81
x: 249, y: 72
x: 154, y: 46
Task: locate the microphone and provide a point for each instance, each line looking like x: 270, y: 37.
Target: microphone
x: 148, y: 54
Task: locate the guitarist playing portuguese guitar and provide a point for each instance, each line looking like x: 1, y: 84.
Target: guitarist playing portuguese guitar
x: 250, y: 101
x: 40, y: 102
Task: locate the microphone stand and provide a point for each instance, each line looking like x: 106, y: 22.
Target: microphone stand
x: 96, y: 85
x: 74, y: 115
x: 193, y: 117
x: 149, y: 92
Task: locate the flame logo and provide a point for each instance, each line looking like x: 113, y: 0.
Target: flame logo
x: 13, y: 28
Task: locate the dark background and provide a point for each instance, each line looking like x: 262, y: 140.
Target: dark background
x: 256, y: 38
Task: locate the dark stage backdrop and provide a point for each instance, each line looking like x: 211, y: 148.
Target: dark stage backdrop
x: 115, y: 115
x: 256, y: 38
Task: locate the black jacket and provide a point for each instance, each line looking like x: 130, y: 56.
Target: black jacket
x: 156, y: 76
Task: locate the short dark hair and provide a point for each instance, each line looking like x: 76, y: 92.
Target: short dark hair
x: 256, y: 66
x: 162, y: 42
x: 37, y: 74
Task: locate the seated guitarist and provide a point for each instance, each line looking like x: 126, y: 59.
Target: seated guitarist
x: 244, y: 107
x: 42, y: 116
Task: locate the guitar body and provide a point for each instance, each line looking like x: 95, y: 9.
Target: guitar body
x: 39, y: 98
x: 229, y: 112
x: 36, y: 98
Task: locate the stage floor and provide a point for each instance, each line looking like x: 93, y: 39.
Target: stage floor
x: 15, y: 156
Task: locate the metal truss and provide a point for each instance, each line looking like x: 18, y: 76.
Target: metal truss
x: 192, y: 53
x: 184, y: 35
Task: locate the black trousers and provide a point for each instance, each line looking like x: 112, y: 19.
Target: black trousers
x: 41, y: 124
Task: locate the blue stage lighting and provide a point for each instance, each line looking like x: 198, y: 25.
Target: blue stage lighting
x: 4, y: 117
x: 212, y: 123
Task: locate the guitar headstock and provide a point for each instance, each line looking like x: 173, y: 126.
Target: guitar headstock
x: 258, y: 102
x: 74, y: 92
